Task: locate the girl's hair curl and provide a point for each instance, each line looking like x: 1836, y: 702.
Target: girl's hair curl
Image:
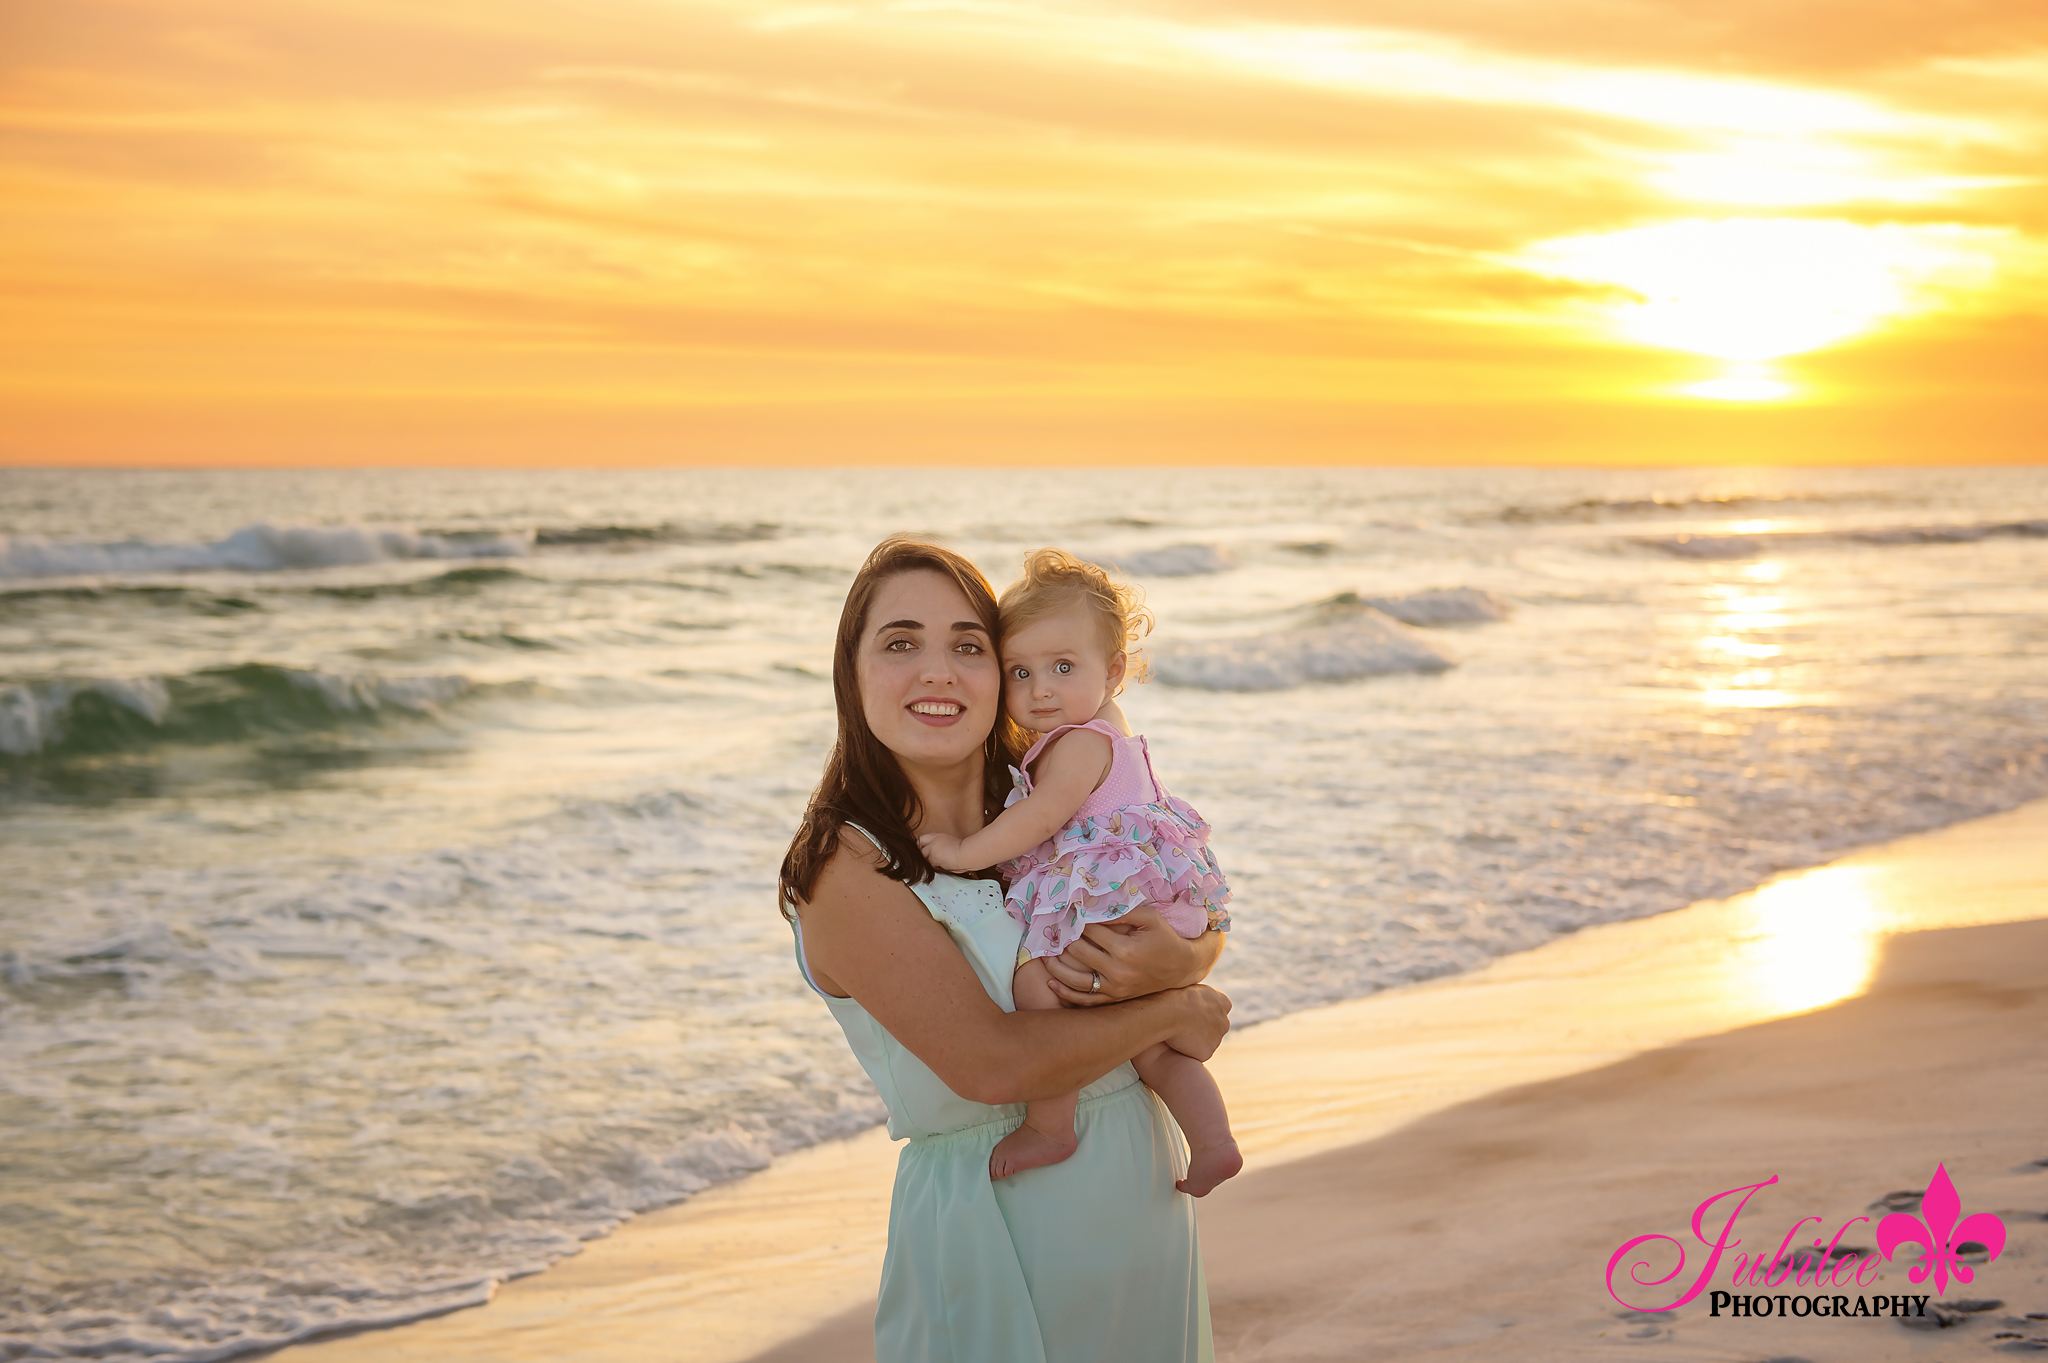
x: 1055, y: 579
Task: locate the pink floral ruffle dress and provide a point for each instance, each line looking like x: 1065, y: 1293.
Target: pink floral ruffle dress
x: 1130, y: 843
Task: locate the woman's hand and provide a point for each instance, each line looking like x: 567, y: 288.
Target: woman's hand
x: 1209, y: 1019
x: 1136, y: 955
x: 867, y: 937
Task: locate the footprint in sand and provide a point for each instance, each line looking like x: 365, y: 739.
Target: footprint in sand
x: 1650, y: 1323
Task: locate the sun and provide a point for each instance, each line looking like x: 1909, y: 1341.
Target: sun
x: 1742, y: 383
x: 1748, y: 291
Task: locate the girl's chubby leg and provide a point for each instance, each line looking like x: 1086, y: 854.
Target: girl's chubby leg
x: 1047, y: 1136
x: 1190, y: 1093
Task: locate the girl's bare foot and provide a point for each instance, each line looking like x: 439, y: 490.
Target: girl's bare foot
x: 1208, y: 1167
x: 1029, y: 1148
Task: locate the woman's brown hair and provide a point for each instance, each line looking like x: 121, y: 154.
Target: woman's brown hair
x: 863, y: 783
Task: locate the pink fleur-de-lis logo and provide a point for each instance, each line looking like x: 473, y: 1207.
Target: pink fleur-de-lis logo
x: 1937, y: 1228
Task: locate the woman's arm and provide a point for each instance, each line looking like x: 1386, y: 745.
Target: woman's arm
x: 1137, y: 954
x: 1065, y: 776
x: 866, y: 936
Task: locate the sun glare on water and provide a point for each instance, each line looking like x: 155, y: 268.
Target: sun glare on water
x: 1815, y: 939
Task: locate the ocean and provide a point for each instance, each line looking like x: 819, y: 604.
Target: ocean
x: 387, y: 859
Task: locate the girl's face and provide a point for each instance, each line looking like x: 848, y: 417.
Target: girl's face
x: 927, y: 671
x: 1056, y: 671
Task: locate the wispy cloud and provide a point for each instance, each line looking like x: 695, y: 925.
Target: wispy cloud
x: 400, y: 213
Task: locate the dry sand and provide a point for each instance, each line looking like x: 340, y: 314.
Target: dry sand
x: 1485, y: 1231
x: 1443, y: 1171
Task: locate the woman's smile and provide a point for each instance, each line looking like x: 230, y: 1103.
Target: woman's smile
x: 928, y: 675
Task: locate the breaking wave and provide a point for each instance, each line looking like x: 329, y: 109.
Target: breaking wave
x: 1755, y: 546
x: 85, y: 717
x: 1603, y: 508
x: 1175, y: 560
x: 403, y: 937
x: 1363, y: 643
x: 256, y: 548
x: 1426, y: 609
x: 265, y: 547
x: 668, y: 532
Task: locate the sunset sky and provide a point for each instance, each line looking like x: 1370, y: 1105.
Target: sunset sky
x: 1383, y: 231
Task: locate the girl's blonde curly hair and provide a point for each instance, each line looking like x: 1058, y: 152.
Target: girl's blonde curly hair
x: 1055, y: 579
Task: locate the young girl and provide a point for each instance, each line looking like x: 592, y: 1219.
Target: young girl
x: 1088, y: 835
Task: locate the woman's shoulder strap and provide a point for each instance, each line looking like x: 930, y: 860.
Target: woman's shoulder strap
x: 923, y: 892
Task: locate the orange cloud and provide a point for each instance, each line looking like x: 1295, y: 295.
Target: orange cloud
x: 353, y: 230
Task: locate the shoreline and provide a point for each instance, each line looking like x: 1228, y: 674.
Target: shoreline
x: 1486, y: 1231
x: 754, y: 1268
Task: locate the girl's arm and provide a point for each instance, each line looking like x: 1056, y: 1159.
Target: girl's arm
x: 866, y: 936
x: 1067, y: 774
x: 1137, y: 954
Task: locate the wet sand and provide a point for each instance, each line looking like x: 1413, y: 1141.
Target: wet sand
x: 1442, y: 1171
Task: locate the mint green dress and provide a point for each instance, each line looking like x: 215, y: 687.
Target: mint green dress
x: 1093, y: 1260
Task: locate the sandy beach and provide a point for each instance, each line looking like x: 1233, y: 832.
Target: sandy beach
x: 1444, y: 1170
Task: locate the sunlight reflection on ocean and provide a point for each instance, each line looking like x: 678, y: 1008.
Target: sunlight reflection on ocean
x: 390, y: 860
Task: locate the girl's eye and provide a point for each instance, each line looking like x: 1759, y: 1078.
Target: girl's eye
x: 1021, y: 673
x: 1063, y: 668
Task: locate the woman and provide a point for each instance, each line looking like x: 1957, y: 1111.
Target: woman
x: 1092, y: 1259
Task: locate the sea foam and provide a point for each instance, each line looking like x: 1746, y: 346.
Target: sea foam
x: 1762, y: 543
x: 402, y: 942
x: 258, y: 548
x: 1425, y: 609
x: 1365, y: 643
x: 1175, y: 560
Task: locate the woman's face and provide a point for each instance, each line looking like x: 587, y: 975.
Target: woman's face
x: 929, y: 684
